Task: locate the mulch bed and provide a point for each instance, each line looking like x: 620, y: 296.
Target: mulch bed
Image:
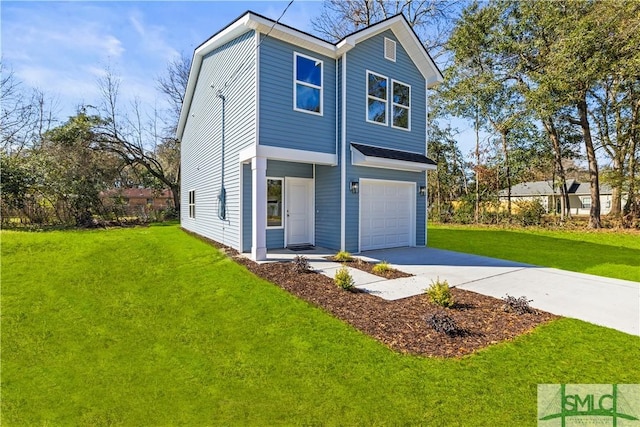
x: 402, y: 324
x: 368, y: 267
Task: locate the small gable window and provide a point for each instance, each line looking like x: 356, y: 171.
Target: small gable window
x: 389, y: 49
x: 401, y: 102
x: 307, y: 88
x: 377, y: 98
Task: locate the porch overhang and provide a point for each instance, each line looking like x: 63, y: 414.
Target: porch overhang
x: 385, y: 158
x: 287, y: 155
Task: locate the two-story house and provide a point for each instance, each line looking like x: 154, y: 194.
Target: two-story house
x: 287, y: 139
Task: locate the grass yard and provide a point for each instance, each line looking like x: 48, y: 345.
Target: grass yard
x: 603, y: 253
x: 149, y: 326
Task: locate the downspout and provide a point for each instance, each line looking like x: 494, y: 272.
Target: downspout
x: 343, y: 158
x: 222, y: 195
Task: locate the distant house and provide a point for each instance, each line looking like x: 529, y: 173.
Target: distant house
x: 287, y: 139
x: 135, y: 201
x: 550, y: 196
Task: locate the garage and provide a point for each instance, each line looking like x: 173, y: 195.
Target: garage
x: 387, y: 214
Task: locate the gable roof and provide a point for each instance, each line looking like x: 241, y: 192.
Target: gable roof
x: 546, y: 188
x: 254, y: 21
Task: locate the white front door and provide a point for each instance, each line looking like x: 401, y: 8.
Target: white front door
x: 299, y: 212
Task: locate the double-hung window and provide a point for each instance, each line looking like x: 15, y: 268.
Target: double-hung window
x: 401, y: 106
x: 586, y: 202
x: 307, y: 87
x: 377, y: 98
x: 192, y: 204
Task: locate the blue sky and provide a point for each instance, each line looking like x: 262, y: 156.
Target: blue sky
x: 63, y: 48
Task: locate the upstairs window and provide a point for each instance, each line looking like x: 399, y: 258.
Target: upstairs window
x: 307, y: 88
x: 377, y: 98
x: 192, y: 204
x: 401, y: 102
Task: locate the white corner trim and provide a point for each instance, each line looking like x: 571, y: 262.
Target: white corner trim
x: 256, y: 116
x: 259, y: 208
x: 247, y: 154
x: 343, y: 158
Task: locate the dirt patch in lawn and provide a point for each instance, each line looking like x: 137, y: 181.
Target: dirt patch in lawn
x: 403, y: 325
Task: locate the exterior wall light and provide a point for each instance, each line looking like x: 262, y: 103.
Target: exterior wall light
x: 354, y: 187
x: 423, y: 190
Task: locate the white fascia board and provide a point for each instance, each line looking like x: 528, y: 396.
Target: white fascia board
x: 291, y: 35
x: 417, y: 53
x: 407, y: 39
x: 196, y: 61
x: 232, y: 31
x: 359, y: 159
x: 287, y: 155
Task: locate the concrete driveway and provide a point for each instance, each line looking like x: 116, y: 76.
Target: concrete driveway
x: 608, y: 302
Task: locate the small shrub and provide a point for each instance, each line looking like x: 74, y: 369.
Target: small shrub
x: 342, y: 256
x: 300, y: 264
x: 439, y: 293
x: 443, y: 324
x: 381, y: 267
x: 529, y: 212
x: 343, y: 279
x: 517, y: 305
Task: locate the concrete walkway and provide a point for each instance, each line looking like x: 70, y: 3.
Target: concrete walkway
x: 608, y: 302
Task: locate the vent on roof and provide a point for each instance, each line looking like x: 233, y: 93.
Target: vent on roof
x: 389, y: 49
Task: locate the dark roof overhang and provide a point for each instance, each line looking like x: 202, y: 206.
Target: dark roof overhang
x: 386, y: 158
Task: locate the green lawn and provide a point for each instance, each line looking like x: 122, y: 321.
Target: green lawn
x: 149, y: 326
x: 603, y: 253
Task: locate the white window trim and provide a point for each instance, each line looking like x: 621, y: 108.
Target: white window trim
x: 281, y: 226
x: 386, y: 101
x: 393, y: 104
x: 583, y: 202
x: 296, y: 82
x: 192, y: 212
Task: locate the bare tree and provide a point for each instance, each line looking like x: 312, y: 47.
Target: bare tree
x: 173, y: 85
x: 135, y: 137
x: 430, y: 19
x: 24, y: 116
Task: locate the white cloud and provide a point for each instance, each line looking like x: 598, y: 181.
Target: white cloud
x: 152, y: 37
x: 70, y: 87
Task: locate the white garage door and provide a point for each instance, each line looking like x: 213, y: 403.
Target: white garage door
x: 386, y: 214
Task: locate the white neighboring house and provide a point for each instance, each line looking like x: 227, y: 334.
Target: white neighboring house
x: 550, y: 196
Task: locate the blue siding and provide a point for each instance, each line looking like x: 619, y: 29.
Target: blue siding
x: 369, y: 55
x: 327, y: 207
x: 280, y: 124
x: 275, y: 238
x: 276, y: 168
x: 201, y: 147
